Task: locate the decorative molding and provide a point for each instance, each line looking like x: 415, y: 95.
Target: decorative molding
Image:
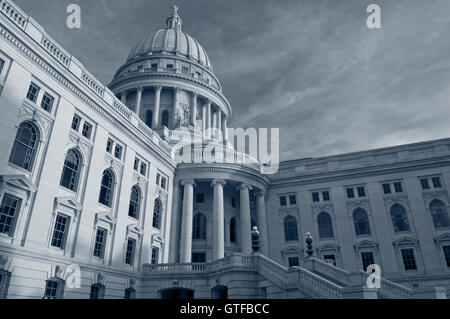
x: 396, y: 199
x: 365, y: 244
x: 318, y: 208
x: 406, y: 241
x: 442, y: 239
x: 354, y: 204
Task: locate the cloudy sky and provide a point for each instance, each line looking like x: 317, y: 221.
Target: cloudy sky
x: 309, y: 67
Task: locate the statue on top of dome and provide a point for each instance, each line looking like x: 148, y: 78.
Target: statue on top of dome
x: 174, y: 21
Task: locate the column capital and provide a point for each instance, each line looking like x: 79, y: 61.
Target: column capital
x: 244, y: 186
x: 176, y: 89
x: 208, y: 101
x: 194, y: 94
x: 188, y: 182
x: 140, y: 88
x: 261, y: 194
x: 158, y: 88
x: 218, y: 181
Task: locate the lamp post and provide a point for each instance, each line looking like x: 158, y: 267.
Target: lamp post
x: 255, y: 238
x: 309, y: 247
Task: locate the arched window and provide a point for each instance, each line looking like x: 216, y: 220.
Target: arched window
x: 399, y: 218
x: 25, y: 146
x: 290, y: 228
x: 199, y: 227
x: 106, y: 188
x: 71, y: 171
x: 439, y: 214
x: 157, y: 214
x: 233, y: 230
x: 149, y: 118
x: 361, y: 222
x: 133, y: 210
x: 165, y: 118
x: 325, y: 226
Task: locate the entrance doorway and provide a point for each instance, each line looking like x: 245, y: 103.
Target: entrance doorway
x: 177, y: 293
x: 219, y: 292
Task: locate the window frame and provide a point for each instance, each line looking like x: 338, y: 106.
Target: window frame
x: 14, y: 219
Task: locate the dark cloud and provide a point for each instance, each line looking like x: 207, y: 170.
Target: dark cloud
x: 310, y: 67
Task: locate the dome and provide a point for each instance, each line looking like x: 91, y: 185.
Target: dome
x: 173, y: 41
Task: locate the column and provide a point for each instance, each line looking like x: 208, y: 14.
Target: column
x: 246, y: 223
x: 175, y: 220
x: 219, y: 125
x: 155, y: 120
x: 214, y: 124
x: 208, y: 118
x: 194, y: 109
x: 262, y: 223
x: 186, y: 222
x: 204, y: 119
x: 224, y: 129
x: 138, y: 100
x: 218, y: 220
x: 176, y: 92
x: 123, y: 97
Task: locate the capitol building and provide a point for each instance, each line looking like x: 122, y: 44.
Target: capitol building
x: 95, y: 203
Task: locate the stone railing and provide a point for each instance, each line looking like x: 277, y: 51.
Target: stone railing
x: 13, y: 12
x: 328, y: 270
x: 319, y: 286
x: 92, y: 83
x: 391, y: 290
x: 54, y: 49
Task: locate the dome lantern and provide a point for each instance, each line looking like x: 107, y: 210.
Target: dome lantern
x: 174, y: 22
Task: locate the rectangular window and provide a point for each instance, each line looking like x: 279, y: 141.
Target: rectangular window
x: 87, y: 129
x: 330, y: 259
x: 9, y: 209
x: 136, y: 164
x: 233, y: 202
x: 143, y: 169
x: 154, y: 65
x: 326, y: 195
x: 398, y: 187
x: 169, y: 66
x: 436, y: 182
x: 76, y: 120
x: 292, y: 200
x: 424, y: 183
x: 131, y: 246
x: 446, y: 250
x: 47, y: 102
x: 387, y: 188
x: 282, y: 200
x: 60, y: 231
x: 315, y: 197
x: 109, y: 145
x: 198, y: 257
x: 361, y: 191
x: 51, y: 289
x: 100, y: 239
x: 155, y: 255
x: 350, y: 193
x: 185, y: 69
x: 293, y: 261
x: 200, y: 198
x: 33, y: 92
x: 367, y: 259
x: 118, y: 151
x: 409, y: 261
x: 158, y: 178
x: 2, y: 65
x: 163, y: 182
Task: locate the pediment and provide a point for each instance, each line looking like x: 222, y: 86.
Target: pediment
x: 18, y: 181
x: 106, y: 217
x: 405, y: 241
x: 366, y: 244
x: 157, y: 238
x: 290, y: 250
x: 68, y: 201
x: 328, y: 247
x: 135, y: 228
x: 444, y: 238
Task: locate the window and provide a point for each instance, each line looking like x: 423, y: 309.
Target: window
x: 100, y: 240
x: 4, y: 283
x: 148, y: 118
x: 439, y: 214
x: 185, y: 69
x: 330, y: 259
x: 76, y: 120
x: 106, y: 188
x: 233, y: 230
x: 165, y: 118
x: 293, y: 261
x: 292, y: 200
x: 9, y: 210
x: 424, y: 183
x: 118, y: 151
x: 87, y: 129
x: 361, y: 191
x: 2, y: 65
x: 71, y: 170
x: 398, y: 187
x: 326, y: 195
x: 169, y: 66
x: 387, y: 188
x: 361, y: 222
x: 325, y: 226
x: 367, y: 259
x: 399, y: 218
x: 129, y: 256
x: 47, y: 102
x: 155, y: 255
x: 25, y: 146
x: 53, y: 289
x: 154, y: 65
x: 130, y: 293
x: 163, y: 182
x: 143, y: 169
x: 136, y: 164
x: 199, y: 224
x: 97, y: 291
x: 315, y: 197
x: 233, y: 202
x: 33, y: 91
x: 198, y: 257
x: 350, y: 193
x: 200, y: 198
x: 436, y: 182
x: 446, y: 251
x: 158, y: 178
x: 409, y: 261
x: 282, y: 200
x: 290, y: 228
x: 60, y: 231
x: 157, y: 214
x: 109, y: 145
x: 133, y: 209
